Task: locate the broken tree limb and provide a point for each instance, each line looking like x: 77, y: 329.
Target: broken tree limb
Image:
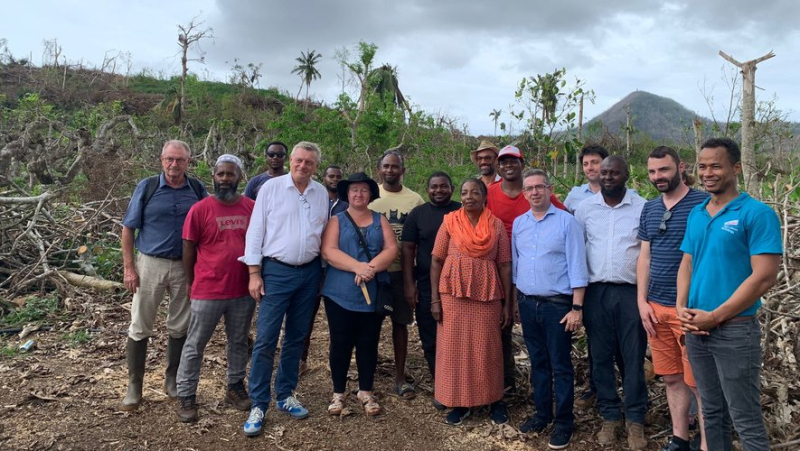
x: 80, y: 280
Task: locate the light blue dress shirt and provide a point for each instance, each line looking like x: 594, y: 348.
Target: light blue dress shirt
x: 548, y: 255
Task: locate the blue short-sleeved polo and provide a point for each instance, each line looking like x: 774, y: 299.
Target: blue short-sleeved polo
x: 721, y: 248
x: 161, y: 225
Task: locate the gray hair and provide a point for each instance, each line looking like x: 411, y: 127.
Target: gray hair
x: 536, y: 171
x: 309, y: 146
x: 177, y: 143
x: 229, y: 158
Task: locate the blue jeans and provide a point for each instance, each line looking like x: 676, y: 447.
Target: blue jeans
x: 727, y: 365
x: 290, y: 293
x: 550, y: 350
x: 611, y: 318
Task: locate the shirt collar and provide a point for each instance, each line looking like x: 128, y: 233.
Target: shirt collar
x: 550, y: 211
x: 735, y: 204
x: 162, y: 180
x: 598, y: 199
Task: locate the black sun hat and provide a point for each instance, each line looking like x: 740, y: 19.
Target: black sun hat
x: 358, y: 177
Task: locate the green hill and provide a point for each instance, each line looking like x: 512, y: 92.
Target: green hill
x: 660, y: 118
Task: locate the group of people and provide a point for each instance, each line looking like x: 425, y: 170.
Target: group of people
x: 628, y: 270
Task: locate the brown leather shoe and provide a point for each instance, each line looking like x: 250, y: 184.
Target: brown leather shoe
x: 187, y: 409
x: 636, y: 438
x: 237, y: 396
x: 608, y: 433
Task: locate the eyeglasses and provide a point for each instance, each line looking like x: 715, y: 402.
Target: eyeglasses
x: 487, y: 158
x: 538, y: 188
x: 663, y: 226
x: 303, y: 199
x: 276, y: 154
x: 171, y: 160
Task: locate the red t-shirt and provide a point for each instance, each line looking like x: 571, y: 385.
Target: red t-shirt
x: 218, y: 231
x: 508, y: 209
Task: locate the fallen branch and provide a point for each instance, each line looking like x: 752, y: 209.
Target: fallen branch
x: 80, y: 280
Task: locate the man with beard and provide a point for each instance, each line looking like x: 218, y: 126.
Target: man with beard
x: 506, y: 201
x: 330, y: 179
x: 661, y: 229
x: 157, y: 209
x: 282, y: 248
x: 591, y: 157
x: 213, y: 239
x: 610, y: 220
x: 485, y: 157
x: 395, y: 202
x: 419, y: 236
x: 276, y: 156
x: 732, y: 251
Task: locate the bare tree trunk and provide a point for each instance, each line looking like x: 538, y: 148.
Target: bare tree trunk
x: 697, y: 124
x: 748, y: 119
x: 580, y: 138
x: 628, y: 131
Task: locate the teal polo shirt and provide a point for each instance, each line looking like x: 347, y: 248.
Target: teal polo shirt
x: 721, y: 247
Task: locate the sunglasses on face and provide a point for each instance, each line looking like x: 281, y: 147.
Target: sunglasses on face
x: 276, y: 154
x: 663, y: 226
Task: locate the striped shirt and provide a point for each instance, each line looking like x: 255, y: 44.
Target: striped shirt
x: 612, y: 246
x: 665, y: 246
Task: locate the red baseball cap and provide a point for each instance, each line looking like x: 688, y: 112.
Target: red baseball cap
x: 510, y: 151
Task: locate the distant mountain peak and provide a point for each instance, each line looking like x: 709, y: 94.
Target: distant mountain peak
x: 661, y: 118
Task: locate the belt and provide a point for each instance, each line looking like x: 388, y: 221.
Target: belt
x: 165, y: 256
x: 555, y: 299
x: 300, y: 266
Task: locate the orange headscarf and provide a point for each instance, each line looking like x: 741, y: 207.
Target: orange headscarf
x: 474, y: 241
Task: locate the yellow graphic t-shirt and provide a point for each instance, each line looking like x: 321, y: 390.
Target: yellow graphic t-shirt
x: 395, y: 207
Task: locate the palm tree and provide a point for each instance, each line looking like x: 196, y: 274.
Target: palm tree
x: 306, y: 69
x: 384, y: 80
x: 495, y: 115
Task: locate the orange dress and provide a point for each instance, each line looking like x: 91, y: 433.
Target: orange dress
x: 469, y: 353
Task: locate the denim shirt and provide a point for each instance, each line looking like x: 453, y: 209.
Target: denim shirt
x: 339, y: 285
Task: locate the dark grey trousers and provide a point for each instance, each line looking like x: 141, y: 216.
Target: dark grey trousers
x: 205, y: 315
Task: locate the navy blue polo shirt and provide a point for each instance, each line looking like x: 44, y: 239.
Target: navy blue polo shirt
x: 665, y: 247
x: 161, y: 225
x: 721, y: 247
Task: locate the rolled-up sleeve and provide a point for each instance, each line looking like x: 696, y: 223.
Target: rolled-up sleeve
x: 256, y: 231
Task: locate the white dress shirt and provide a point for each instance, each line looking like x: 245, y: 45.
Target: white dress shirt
x: 612, y: 246
x: 286, y: 224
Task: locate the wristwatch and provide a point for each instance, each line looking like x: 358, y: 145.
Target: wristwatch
x: 577, y: 308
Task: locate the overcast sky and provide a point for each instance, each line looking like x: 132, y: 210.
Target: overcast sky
x: 460, y: 58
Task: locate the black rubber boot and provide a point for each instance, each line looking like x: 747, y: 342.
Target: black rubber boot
x: 136, y: 355
x: 174, y: 348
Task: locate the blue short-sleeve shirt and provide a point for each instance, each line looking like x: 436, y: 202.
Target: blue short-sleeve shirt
x: 665, y: 244
x: 721, y: 247
x: 160, y: 225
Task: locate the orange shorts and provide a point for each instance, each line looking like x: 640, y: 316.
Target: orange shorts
x: 667, y: 347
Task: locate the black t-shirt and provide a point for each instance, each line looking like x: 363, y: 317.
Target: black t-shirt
x: 421, y: 227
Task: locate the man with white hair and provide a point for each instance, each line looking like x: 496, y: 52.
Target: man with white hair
x: 213, y: 239
x: 282, y: 254
x: 157, y: 210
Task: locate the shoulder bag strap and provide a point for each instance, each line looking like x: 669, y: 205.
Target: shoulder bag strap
x: 361, y: 239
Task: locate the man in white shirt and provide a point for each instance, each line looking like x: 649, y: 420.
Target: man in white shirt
x: 282, y: 253
x: 591, y: 157
x: 610, y: 221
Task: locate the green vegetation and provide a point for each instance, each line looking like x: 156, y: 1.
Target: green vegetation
x: 35, y: 309
x: 77, y: 337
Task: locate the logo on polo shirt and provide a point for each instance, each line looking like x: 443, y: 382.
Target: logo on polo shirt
x: 731, y: 226
x: 232, y: 222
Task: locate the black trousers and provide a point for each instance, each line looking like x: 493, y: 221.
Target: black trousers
x: 426, y: 325
x: 348, y: 330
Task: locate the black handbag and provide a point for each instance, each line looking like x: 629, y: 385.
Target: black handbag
x: 384, y: 304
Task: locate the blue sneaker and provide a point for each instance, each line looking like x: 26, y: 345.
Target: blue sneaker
x: 252, y: 427
x: 293, y: 407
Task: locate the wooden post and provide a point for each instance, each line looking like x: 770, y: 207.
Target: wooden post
x: 748, y: 118
x: 628, y: 131
x: 697, y: 124
x: 580, y: 138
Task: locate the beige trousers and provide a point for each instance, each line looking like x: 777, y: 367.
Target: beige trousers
x: 157, y: 276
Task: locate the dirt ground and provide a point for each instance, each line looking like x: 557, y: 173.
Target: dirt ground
x: 63, y: 395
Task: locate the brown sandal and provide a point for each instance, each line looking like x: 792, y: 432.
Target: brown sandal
x: 337, y: 404
x: 371, y: 406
